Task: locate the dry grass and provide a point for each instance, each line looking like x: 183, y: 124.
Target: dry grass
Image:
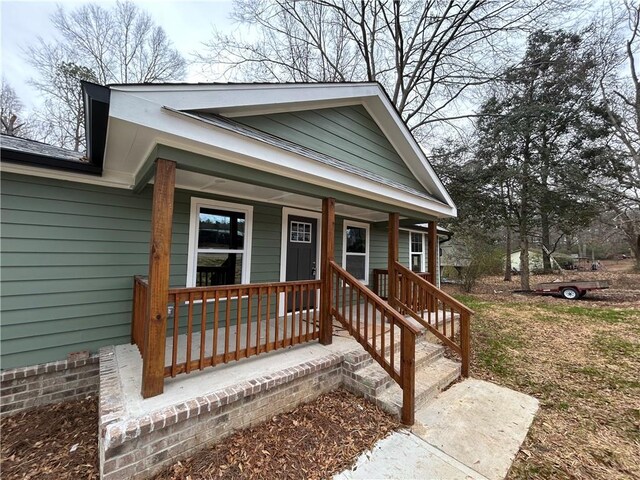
x: 582, y: 360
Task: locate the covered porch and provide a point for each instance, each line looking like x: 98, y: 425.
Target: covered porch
x: 180, y: 330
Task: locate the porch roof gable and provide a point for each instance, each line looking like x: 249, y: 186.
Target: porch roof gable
x: 241, y: 100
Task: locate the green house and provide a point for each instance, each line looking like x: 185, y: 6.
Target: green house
x: 231, y: 186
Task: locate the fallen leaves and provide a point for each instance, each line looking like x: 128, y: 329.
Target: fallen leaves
x: 314, y: 441
x: 56, y: 442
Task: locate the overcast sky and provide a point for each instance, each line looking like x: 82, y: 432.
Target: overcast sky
x: 187, y: 23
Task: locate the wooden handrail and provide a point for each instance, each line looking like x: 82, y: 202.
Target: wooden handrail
x: 440, y: 294
x: 416, y: 295
x: 373, y: 323
x: 379, y: 301
x: 380, y: 284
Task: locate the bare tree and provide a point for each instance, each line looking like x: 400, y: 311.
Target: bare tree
x: 427, y: 54
x: 11, y: 111
x: 620, y: 88
x: 120, y: 44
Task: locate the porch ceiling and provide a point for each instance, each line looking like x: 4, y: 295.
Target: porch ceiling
x: 199, y: 182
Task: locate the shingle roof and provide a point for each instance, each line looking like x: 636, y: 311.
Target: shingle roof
x: 231, y: 125
x: 18, y: 144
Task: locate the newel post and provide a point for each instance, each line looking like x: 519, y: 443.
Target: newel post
x: 155, y: 330
x: 392, y: 258
x: 327, y: 255
x: 408, y: 375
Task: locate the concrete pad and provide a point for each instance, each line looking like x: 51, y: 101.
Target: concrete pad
x: 404, y: 455
x: 479, y: 424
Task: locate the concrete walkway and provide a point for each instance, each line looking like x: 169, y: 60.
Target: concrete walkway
x: 471, y: 431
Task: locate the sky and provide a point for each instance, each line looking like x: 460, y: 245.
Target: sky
x: 187, y: 23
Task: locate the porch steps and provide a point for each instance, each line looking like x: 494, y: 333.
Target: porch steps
x: 431, y: 379
x: 434, y: 372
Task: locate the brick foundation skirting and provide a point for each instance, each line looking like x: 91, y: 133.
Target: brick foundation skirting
x: 138, y: 448
x: 26, y: 387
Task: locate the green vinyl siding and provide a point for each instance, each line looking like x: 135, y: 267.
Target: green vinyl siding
x: 69, y: 252
x: 348, y: 134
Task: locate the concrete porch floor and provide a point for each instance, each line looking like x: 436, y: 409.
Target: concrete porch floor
x: 201, y: 382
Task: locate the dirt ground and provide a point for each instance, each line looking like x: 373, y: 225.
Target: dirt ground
x: 580, y: 358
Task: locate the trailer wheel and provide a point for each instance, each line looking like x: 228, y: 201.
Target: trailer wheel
x: 570, y: 293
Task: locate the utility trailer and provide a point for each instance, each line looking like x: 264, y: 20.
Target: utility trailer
x: 571, y: 290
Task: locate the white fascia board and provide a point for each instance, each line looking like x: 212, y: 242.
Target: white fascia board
x: 260, y: 96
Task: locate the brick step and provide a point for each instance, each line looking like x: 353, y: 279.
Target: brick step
x: 371, y: 380
x: 430, y: 380
x: 426, y: 350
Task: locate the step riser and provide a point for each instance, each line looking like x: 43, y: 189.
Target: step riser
x: 377, y: 385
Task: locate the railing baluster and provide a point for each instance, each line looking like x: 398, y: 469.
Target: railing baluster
x: 300, y: 313
x: 203, y: 328
x: 176, y: 334
x: 261, y: 293
x: 267, y: 313
x: 316, y: 300
x: 452, y: 329
x: 249, y: 312
x: 276, y: 332
x: 216, y: 324
x: 307, y: 312
x: 358, y: 313
x: 267, y: 323
x: 227, y: 325
x: 189, y: 331
x: 238, y: 323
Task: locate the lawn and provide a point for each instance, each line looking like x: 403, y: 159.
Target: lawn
x: 581, y: 359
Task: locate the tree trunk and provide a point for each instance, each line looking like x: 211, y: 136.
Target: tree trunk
x: 546, y: 242
x: 524, y: 262
x: 507, y: 263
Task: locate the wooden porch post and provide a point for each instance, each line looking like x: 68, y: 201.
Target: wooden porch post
x: 328, y: 252
x: 155, y: 331
x: 432, y: 265
x: 392, y: 258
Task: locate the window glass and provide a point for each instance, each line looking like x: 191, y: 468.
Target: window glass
x: 218, y: 269
x: 416, y: 242
x: 300, y: 232
x: 356, y: 239
x: 221, y: 230
x: 356, y: 266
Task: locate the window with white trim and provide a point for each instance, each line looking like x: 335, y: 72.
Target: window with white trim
x: 416, y: 251
x: 219, y: 243
x: 355, y: 254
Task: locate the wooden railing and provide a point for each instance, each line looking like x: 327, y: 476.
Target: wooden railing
x: 139, y: 311
x: 388, y: 337
x: 214, y: 325
x: 380, y: 284
x: 436, y: 310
